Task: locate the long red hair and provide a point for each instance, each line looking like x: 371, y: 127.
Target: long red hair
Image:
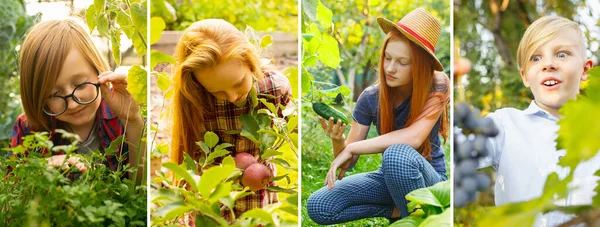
x: 422, y: 87
x: 204, y: 44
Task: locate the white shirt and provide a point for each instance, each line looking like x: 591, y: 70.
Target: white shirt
x: 524, y: 154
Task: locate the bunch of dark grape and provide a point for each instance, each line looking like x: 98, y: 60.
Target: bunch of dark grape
x: 470, y: 135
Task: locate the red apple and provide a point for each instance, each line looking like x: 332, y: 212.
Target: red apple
x: 256, y: 176
x: 243, y: 160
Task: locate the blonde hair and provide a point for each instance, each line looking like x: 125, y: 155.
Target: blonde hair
x: 422, y: 68
x: 543, y: 30
x: 42, y: 56
x: 203, y: 45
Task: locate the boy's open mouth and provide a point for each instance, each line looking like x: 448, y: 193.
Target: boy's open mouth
x: 551, y: 82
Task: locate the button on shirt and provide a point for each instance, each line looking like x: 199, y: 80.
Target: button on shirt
x: 524, y: 154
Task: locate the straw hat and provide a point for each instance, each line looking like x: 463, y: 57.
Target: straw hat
x: 420, y: 27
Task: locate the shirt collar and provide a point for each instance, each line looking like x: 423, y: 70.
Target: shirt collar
x: 535, y: 110
x: 105, y: 112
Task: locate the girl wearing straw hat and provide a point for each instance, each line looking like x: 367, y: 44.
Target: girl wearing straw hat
x: 408, y: 105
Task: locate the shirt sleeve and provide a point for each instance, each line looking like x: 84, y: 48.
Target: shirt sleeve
x: 18, y: 131
x: 438, y: 97
x: 364, y: 112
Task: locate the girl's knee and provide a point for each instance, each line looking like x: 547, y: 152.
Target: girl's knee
x: 318, y: 208
x: 400, y: 152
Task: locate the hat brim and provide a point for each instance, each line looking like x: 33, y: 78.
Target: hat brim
x: 387, y: 26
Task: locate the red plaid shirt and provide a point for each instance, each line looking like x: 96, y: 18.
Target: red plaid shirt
x: 109, y: 129
x: 225, y: 118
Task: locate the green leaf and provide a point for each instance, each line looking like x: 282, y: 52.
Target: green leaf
x: 554, y: 185
x: 249, y: 136
x: 270, y: 153
x: 138, y: 16
x: 307, y: 79
x: 253, y: 97
x: 593, y: 90
x: 437, y: 195
x: 329, y: 53
x: 180, y: 172
x: 324, y: 15
x: 205, y: 221
x: 165, y: 10
x: 266, y: 41
x: 221, y: 191
x: 579, y: 128
x: 136, y: 84
x: 310, y: 61
x: 159, y: 57
x: 189, y: 162
x: 444, y: 219
x: 213, y: 177
x: 512, y: 214
x: 249, y: 124
x: 139, y: 44
x: 174, y: 210
x: 580, y: 139
x: 102, y: 24
x: 269, y: 105
x: 203, y: 146
x: 115, y: 43
x: 280, y: 189
x: 410, y: 221
x: 90, y: 17
x: 292, y: 123
x: 292, y: 199
x: 157, y: 25
x: 112, y: 149
x: 260, y: 214
x: 223, y: 146
x: 125, y: 23
x: 215, y: 154
x: 292, y: 75
x: 100, y: 5
x: 163, y: 82
x: 211, y: 139
x: 282, y: 162
x: 311, y: 47
x: 309, y: 8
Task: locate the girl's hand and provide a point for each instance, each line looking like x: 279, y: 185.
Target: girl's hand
x: 119, y: 100
x: 342, y: 158
x: 58, y: 160
x: 335, y: 131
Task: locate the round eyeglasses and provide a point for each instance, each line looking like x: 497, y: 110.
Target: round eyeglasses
x: 83, y: 94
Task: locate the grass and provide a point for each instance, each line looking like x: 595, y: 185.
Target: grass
x: 317, y: 156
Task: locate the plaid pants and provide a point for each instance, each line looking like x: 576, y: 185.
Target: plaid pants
x: 374, y: 194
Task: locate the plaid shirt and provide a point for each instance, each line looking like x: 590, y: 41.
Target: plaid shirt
x: 109, y: 129
x: 225, y: 118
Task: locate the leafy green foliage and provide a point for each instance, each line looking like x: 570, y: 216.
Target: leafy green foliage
x: 111, y: 17
x: 67, y: 197
x: 265, y: 16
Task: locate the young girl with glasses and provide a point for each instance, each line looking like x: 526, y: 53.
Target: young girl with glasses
x: 67, y: 84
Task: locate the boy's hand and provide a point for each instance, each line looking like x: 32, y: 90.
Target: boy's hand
x: 119, y: 100
x: 58, y: 160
